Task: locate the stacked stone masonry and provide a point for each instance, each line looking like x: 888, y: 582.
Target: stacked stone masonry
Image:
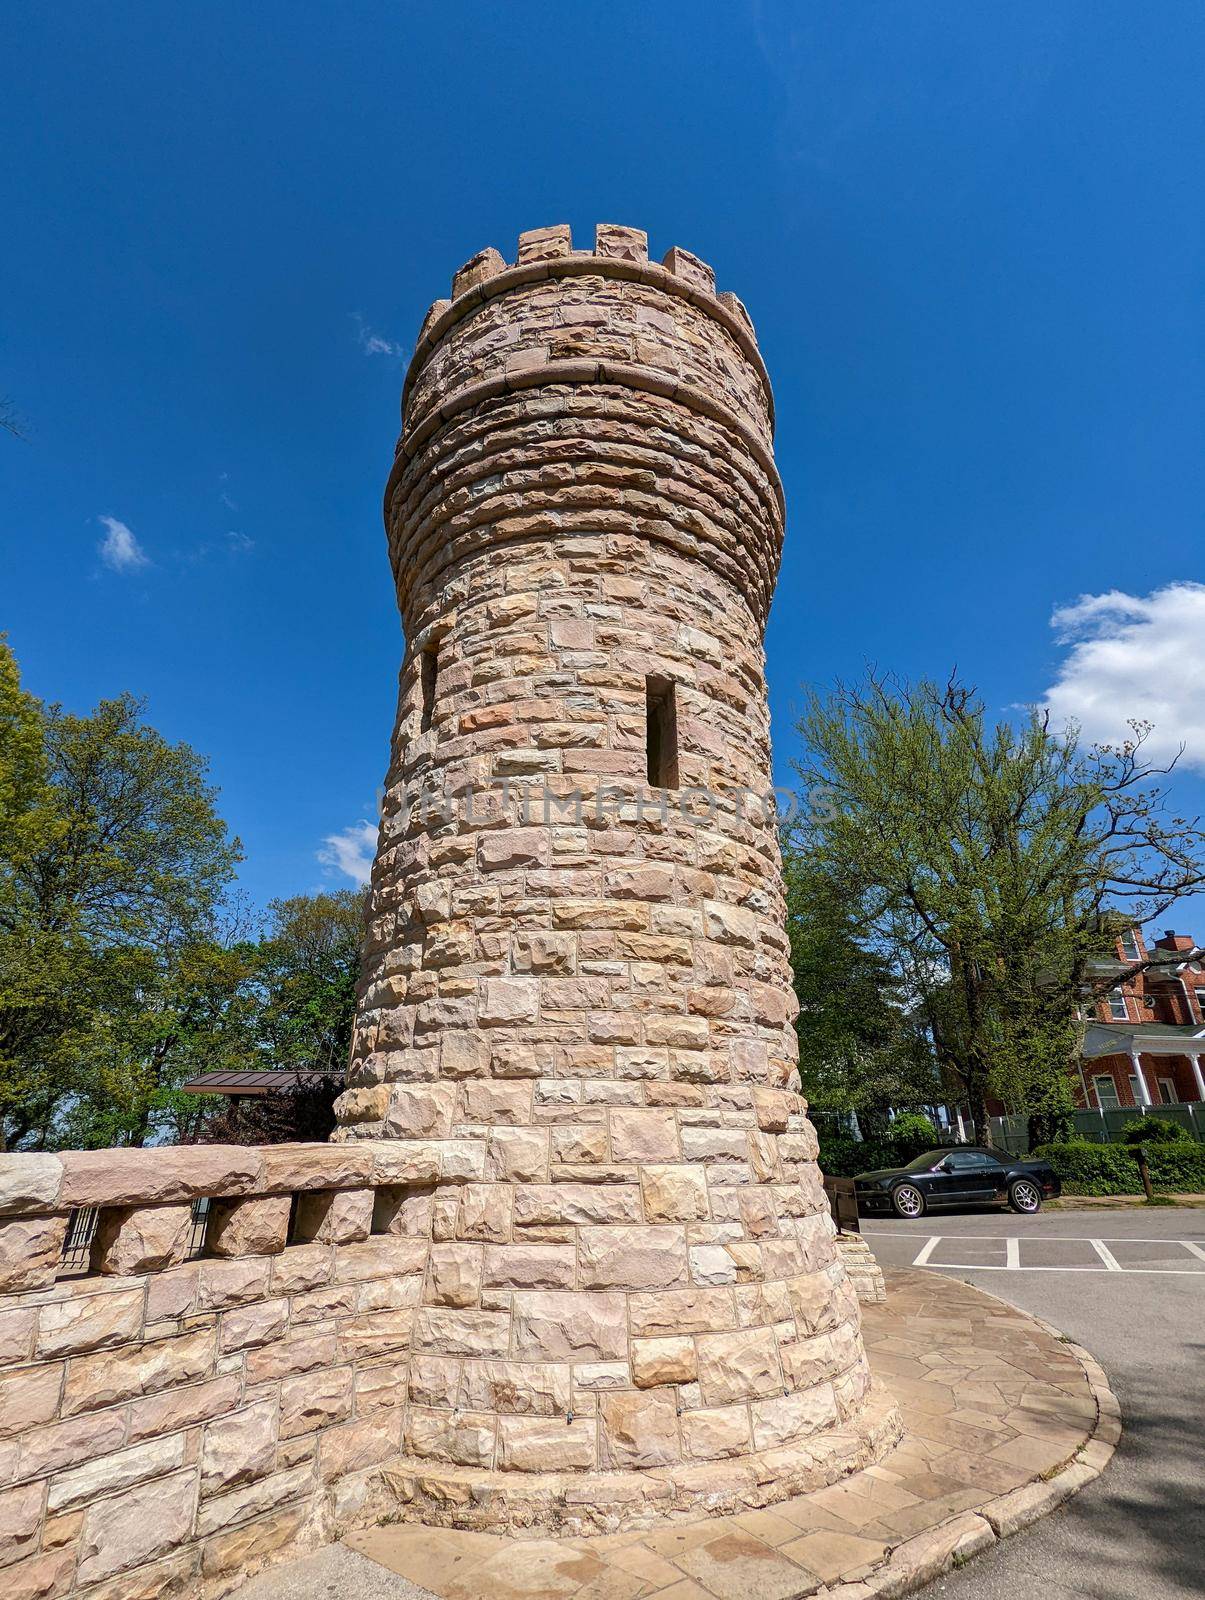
x: 169, y: 1424
x: 569, y: 1263
x: 576, y: 965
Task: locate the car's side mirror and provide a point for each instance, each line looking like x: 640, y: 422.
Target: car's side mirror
x: 944, y: 1166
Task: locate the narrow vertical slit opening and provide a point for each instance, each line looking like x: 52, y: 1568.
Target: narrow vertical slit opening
x: 428, y: 674
x: 661, y: 733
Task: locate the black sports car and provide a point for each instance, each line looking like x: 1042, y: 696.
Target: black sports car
x: 963, y: 1175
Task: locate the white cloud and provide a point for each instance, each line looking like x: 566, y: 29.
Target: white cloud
x: 119, y: 548
x: 372, y: 343
x: 351, y: 851
x: 1135, y: 657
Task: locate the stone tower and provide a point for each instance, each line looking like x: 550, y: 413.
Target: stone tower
x: 577, y: 1001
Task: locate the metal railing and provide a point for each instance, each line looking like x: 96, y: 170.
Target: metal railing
x: 1100, y: 1127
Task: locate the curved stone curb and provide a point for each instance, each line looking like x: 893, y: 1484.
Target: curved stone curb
x: 918, y: 1561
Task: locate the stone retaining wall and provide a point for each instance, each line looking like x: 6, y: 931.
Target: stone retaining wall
x: 169, y: 1424
x: 166, y: 1424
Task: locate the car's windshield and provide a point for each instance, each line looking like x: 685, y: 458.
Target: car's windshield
x: 922, y: 1163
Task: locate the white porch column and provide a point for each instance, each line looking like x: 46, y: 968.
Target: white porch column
x: 1195, y: 1058
x: 1135, y: 1057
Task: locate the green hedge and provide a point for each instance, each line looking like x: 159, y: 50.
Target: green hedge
x: 844, y: 1157
x: 1176, y: 1167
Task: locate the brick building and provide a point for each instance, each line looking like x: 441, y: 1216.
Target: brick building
x: 1145, y: 1039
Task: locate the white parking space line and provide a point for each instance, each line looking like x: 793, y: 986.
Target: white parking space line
x: 1014, y: 1254
x: 1041, y: 1238
x: 1106, y: 1255
x: 1130, y: 1272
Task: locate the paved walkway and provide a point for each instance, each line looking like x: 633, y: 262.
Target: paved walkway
x: 995, y: 1408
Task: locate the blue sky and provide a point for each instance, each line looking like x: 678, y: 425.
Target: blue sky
x: 971, y: 238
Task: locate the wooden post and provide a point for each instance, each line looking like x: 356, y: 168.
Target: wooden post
x: 1144, y: 1171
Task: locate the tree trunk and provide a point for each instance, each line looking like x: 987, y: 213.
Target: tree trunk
x: 978, y: 1109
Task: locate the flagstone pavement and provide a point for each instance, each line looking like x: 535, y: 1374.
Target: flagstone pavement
x: 1003, y: 1420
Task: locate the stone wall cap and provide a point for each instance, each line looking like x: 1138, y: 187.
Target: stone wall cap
x: 29, y: 1184
x: 163, y: 1173
x: 682, y: 274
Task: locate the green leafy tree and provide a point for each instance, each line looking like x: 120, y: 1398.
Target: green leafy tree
x: 860, y: 1050
x: 39, y: 1007
x: 114, y: 864
x: 991, y: 863
x: 310, y: 965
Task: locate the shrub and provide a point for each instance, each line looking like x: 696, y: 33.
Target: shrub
x: 1155, y: 1130
x: 912, y: 1132
x: 1102, y: 1169
x: 842, y: 1156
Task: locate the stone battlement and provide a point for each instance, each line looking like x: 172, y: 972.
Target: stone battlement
x: 585, y: 393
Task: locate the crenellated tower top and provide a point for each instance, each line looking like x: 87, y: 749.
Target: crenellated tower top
x: 644, y: 364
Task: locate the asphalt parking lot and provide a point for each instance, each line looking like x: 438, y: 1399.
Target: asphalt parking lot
x: 1129, y: 1285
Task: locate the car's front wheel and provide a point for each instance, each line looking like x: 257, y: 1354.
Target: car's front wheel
x: 908, y: 1200
x: 1024, y: 1196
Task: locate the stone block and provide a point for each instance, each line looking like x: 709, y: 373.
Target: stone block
x: 20, y: 1521
x: 255, y: 1499
x: 421, y: 1111
x: 539, y: 952
x: 290, y: 1167
x: 485, y: 1212
x: 530, y: 1266
x: 128, y: 1177
x: 89, y: 1322
x: 624, y: 244
x: 467, y: 1333
x: 132, y: 1528
x: 488, y: 1102
x: 792, y: 1416
x: 66, y: 1444
x: 644, y: 1136
x: 546, y: 1444
x: 29, y: 1184
x: 238, y: 1448
x: 40, y: 1577
x: 156, y: 1458
x: 573, y: 1204
x: 333, y: 1216
x: 454, y: 1275
x: 257, y: 1227
x: 31, y: 1249
x: 315, y: 1400
x: 674, y: 1193
x: 176, y: 1409
x: 111, y: 1376
x: 477, y: 269
x: 520, y: 1388
x: 544, y: 244
x: 638, y: 1429
x: 632, y: 1258
x: 712, y: 1433
x: 240, y: 1549
x: 465, y: 1438
x: 517, y: 1155
x: 656, y: 1362
x: 739, y: 1365
x: 131, y: 1239
x: 29, y: 1396
x: 506, y: 1001
x: 569, y: 1326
